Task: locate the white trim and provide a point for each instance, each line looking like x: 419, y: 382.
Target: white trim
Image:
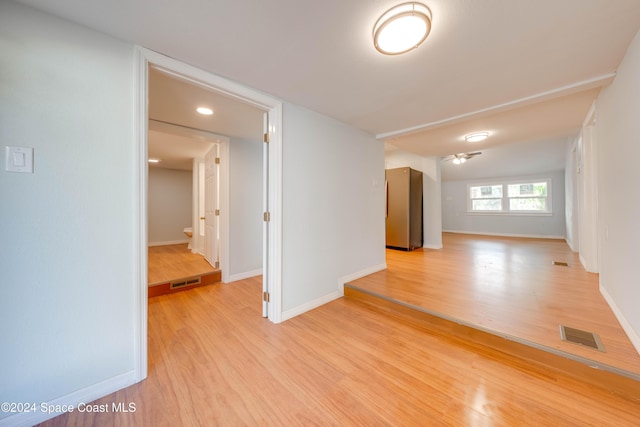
x: 359, y: 274
x: 339, y: 293
x: 274, y: 270
x: 140, y: 190
x: 526, y: 236
x: 432, y: 246
x: 85, y: 395
x: 311, y: 305
x: 598, y: 81
x: 245, y: 275
x: 223, y: 223
x: 169, y: 242
x: 145, y: 58
x: 505, y: 199
x: 626, y: 326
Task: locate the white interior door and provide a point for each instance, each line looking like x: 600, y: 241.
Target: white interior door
x: 211, y: 212
x: 265, y: 225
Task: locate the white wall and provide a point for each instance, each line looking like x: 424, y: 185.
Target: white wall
x: 245, y: 200
x: 333, y: 207
x: 68, y: 245
x: 571, y: 195
x: 431, y: 192
x: 618, y: 151
x: 170, y: 205
x: 455, y: 217
x: 67, y: 251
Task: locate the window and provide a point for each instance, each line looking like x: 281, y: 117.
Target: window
x: 486, y: 198
x: 522, y: 197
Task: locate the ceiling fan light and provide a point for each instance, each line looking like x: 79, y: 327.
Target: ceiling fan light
x: 476, y: 137
x: 402, y: 28
x: 462, y: 160
x: 456, y: 161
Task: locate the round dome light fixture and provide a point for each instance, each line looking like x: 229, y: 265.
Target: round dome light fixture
x: 205, y: 111
x: 402, y: 28
x: 476, y: 137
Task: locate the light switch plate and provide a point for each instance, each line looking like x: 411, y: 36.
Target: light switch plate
x: 18, y: 159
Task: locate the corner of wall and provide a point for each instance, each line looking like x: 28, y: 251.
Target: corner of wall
x: 626, y: 326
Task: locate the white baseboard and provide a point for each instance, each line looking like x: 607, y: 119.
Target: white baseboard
x: 339, y: 293
x: 626, y: 326
x: 286, y: 315
x: 526, y: 236
x: 85, y: 395
x: 169, y: 242
x: 357, y: 275
x: 432, y: 246
x: 245, y: 275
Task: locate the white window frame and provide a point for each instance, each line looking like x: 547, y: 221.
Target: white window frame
x: 505, y: 197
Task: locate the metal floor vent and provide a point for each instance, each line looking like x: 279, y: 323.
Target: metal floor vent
x: 185, y: 282
x: 561, y: 263
x: 576, y: 336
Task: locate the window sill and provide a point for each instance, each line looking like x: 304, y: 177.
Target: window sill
x: 503, y: 213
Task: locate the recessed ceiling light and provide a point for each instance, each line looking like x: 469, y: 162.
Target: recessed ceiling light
x: 475, y: 137
x: 402, y: 28
x: 205, y: 111
x: 154, y: 160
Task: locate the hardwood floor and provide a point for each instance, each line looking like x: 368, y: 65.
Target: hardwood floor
x: 508, y: 286
x: 175, y: 262
x: 214, y: 361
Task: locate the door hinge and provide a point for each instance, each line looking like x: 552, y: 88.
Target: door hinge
x: 267, y: 216
x: 265, y: 138
x: 217, y: 160
x: 217, y: 212
x: 266, y: 297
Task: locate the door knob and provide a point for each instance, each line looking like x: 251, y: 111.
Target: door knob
x: 202, y: 217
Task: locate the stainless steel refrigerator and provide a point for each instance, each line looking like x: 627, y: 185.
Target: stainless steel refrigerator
x: 404, y: 208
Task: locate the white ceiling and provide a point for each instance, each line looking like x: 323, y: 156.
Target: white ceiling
x: 178, y: 134
x: 543, y: 59
x: 175, y: 101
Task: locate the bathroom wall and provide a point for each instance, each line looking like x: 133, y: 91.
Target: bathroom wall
x: 170, y: 205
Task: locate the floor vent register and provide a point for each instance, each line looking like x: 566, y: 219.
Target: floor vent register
x: 577, y: 336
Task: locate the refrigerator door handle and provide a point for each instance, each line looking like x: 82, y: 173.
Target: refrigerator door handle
x: 386, y: 198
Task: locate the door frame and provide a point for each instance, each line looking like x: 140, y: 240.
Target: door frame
x: 212, y: 252
x: 144, y: 58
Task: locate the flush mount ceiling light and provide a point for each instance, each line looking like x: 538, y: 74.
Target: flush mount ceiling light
x: 154, y: 160
x: 205, y: 111
x: 476, y: 137
x: 402, y: 28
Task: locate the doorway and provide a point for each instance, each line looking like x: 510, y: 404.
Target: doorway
x: 181, y: 254
x: 273, y: 224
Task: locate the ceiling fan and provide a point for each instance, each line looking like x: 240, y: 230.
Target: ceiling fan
x: 460, y: 158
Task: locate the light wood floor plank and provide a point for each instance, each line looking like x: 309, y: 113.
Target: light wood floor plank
x: 508, y: 285
x: 172, y: 262
x: 214, y: 361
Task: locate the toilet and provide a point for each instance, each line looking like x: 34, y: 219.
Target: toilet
x: 188, y: 231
